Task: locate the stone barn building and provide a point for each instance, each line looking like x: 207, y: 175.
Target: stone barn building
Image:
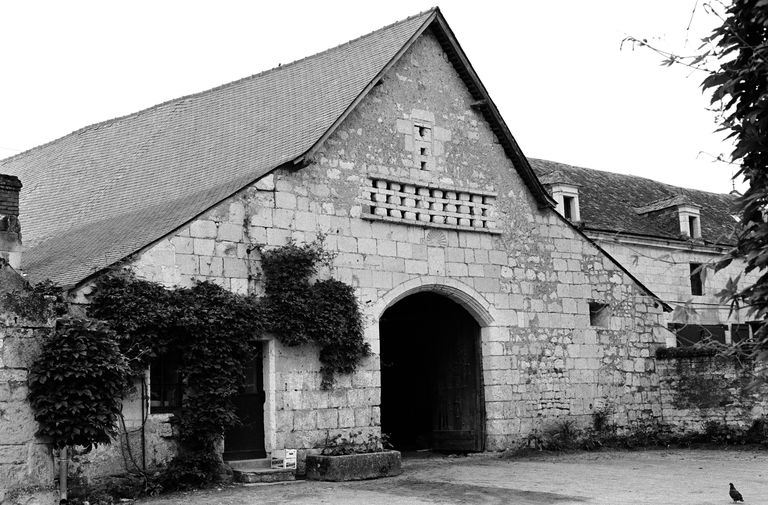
x: 489, y: 314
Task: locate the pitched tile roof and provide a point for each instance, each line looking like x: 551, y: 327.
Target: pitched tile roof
x: 638, y: 206
x: 100, y: 194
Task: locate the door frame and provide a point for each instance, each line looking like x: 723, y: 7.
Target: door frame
x: 491, y: 322
x: 268, y: 381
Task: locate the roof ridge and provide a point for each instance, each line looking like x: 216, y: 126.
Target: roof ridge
x: 108, y: 122
x: 669, y: 187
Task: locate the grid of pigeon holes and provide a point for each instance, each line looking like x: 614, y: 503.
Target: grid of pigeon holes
x: 427, y: 205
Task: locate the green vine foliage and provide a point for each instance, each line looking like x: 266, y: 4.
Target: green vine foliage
x: 143, y: 314
x: 77, y: 384
x: 325, y: 312
x: 289, y: 301
x: 214, y: 331
x: 40, y: 302
x: 218, y: 337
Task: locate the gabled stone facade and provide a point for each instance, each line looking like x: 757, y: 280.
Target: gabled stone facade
x: 527, y: 280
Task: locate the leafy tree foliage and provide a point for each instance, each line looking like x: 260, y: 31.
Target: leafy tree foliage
x: 76, y: 385
x: 735, y: 58
x: 740, y: 85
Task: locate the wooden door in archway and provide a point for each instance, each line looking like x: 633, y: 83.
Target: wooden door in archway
x: 431, y: 394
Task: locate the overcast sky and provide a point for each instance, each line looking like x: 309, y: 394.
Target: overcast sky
x: 554, y: 68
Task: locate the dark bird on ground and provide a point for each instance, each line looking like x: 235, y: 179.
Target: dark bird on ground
x: 735, y: 495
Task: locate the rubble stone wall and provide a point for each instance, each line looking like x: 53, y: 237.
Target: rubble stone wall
x: 26, y: 461
x: 699, y: 389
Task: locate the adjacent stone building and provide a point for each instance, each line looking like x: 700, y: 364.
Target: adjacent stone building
x: 489, y: 314
x: 668, y: 237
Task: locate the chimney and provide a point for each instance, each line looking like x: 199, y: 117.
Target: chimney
x: 10, y: 229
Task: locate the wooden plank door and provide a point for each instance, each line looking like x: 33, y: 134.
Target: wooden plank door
x: 246, y: 441
x: 457, y: 410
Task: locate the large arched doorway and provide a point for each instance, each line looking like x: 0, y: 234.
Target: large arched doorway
x: 431, y: 383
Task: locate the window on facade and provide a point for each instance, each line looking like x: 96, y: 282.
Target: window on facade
x: 697, y: 281
x: 744, y: 333
x: 693, y: 227
x: 164, y: 384
x: 693, y: 334
x: 568, y: 203
x: 599, y: 314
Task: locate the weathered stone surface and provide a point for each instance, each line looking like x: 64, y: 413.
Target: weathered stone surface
x: 265, y: 475
x: 353, y: 466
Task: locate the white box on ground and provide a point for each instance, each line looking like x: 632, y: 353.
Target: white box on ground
x: 284, y: 458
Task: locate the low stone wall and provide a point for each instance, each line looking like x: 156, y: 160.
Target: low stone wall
x: 698, y: 389
x: 26, y: 461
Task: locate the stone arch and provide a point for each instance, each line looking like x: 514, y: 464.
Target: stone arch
x: 429, y: 336
x: 457, y: 291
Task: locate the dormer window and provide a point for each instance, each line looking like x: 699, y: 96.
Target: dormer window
x: 569, y: 204
x: 567, y: 198
x: 690, y: 221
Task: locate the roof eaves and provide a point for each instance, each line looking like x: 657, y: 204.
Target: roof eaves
x: 666, y: 238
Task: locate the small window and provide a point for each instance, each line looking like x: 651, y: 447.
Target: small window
x: 599, y: 314
x: 164, y: 384
x: 693, y: 227
x: 568, y: 207
x: 697, y: 281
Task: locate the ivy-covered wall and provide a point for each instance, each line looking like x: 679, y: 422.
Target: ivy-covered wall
x: 26, y: 461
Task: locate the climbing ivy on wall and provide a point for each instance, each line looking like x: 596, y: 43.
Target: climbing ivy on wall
x: 214, y: 331
x: 77, y: 384
x: 324, y: 312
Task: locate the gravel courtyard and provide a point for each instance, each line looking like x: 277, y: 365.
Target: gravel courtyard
x: 677, y: 477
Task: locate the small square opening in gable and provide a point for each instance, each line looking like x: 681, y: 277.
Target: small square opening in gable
x: 599, y: 314
x: 422, y: 132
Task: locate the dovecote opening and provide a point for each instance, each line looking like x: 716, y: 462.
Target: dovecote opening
x: 429, y: 205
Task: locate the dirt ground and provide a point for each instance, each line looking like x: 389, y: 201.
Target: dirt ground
x: 680, y: 477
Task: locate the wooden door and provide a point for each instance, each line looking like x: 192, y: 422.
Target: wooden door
x: 246, y: 441
x: 457, y: 403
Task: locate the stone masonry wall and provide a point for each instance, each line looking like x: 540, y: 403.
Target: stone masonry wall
x: 530, y: 280
x: 26, y: 461
x: 699, y: 389
x: 666, y: 271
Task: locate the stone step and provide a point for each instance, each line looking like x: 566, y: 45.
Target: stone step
x: 252, y: 475
x: 250, y: 464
